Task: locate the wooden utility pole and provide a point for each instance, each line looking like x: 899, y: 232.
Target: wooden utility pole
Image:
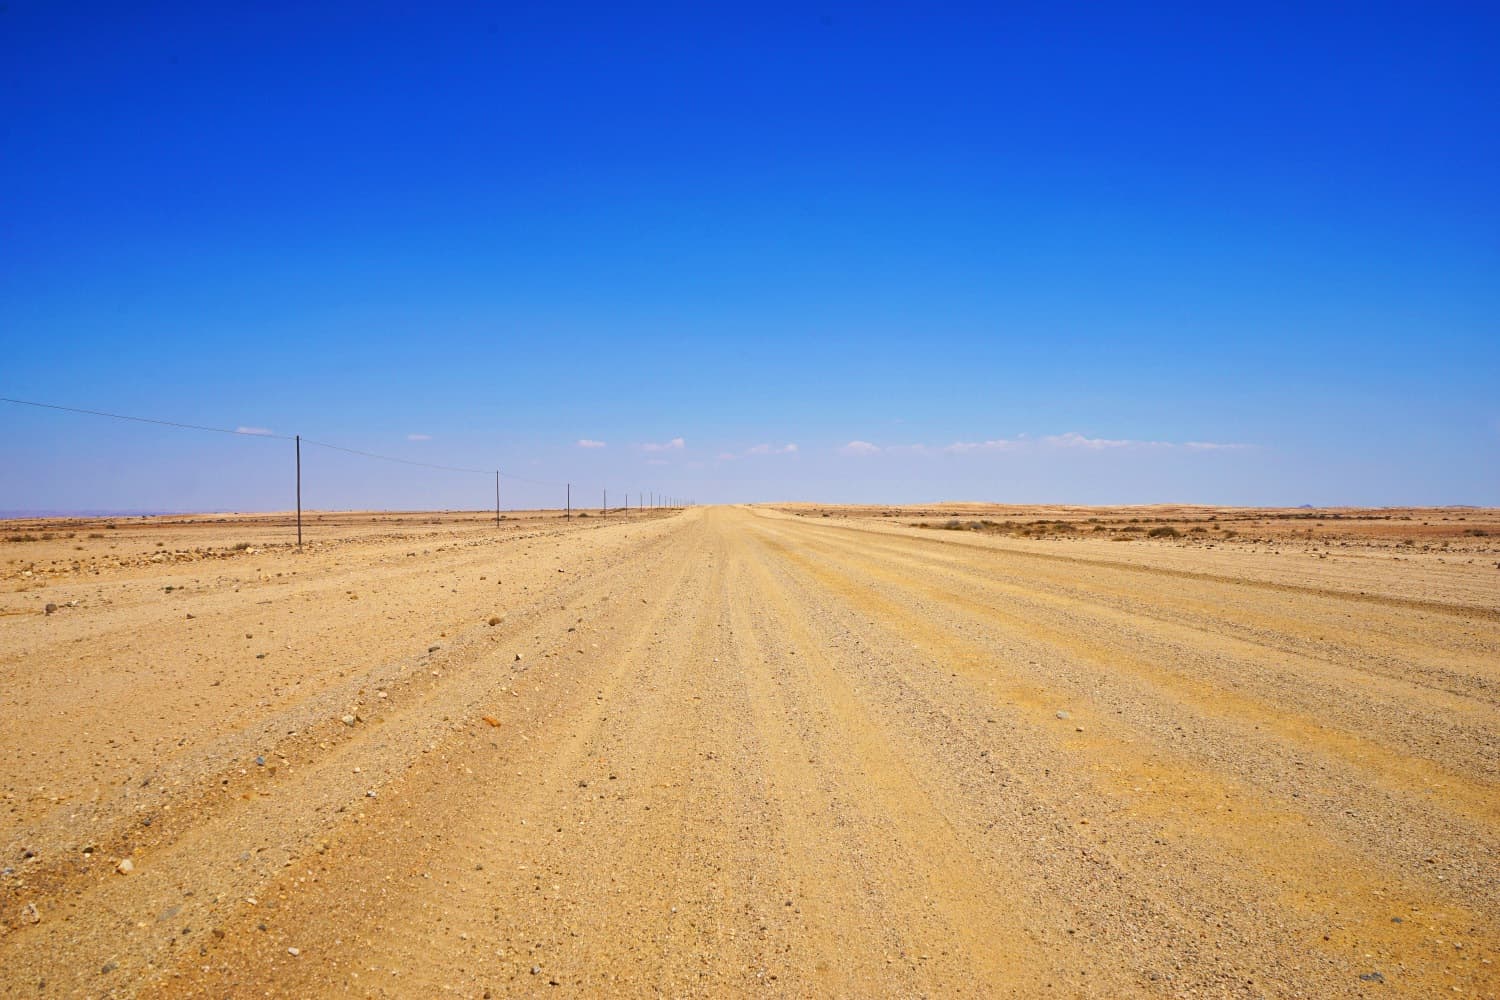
x: 299, y: 491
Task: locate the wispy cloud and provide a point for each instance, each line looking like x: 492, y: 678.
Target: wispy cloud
x: 1073, y: 439
x: 998, y: 444
x: 727, y: 456
x: 656, y: 461
x: 771, y: 449
x: 257, y: 431
x: 419, y: 437
x: 589, y: 443
x: 676, y: 444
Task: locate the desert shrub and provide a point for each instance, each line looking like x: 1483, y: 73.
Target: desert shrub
x: 1165, y: 531
x: 953, y: 524
x: 241, y: 546
x: 96, y: 534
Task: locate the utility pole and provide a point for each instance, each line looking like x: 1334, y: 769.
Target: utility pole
x: 570, y: 500
x: 299, y: 491
x: 604, y: 511
x: 497, y: 498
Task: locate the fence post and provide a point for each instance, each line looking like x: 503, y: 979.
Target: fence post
x: 604, y: 511
x: 570, y: 500
x: 497, y: 498
x: 299, y: 491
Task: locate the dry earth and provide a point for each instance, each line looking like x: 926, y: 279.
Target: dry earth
x: 725, y: 751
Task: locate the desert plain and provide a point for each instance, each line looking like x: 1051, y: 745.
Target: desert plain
x: 950, y: 750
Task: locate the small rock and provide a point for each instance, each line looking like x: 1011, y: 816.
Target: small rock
x: 433, y: 649
x: 494, y: 620
x: 31, y: 914
x: 107, y: 968
x: 518, y: 657
x: 370, y: 794
x: 191, y: 616
x: 535, y: 969
x: 1064, y: 715
x: 1372, y: 977
x: 50, y: 608
x: 260, y: 761
x: 491, y: 720
x: 125, y: 867
x: 347, y: 720
x: 294, y: 952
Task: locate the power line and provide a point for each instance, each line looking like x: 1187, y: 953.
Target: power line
x: 242, y: 432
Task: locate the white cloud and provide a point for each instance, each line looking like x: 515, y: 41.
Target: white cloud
x: 771, y: 449
x: 589, y: 443
x: 1021, y: 442
x: 257, y: 431
x: 419, y: 437
x: 676, y: 444
x: 998, y: 444
x: 1072, y: 439
x: 727, y: 456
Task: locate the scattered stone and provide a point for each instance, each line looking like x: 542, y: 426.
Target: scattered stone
x: 294, y: 952
x: 107, y: 968
x: 535, y: 969
x: 260, y: 761
x: 518, y: 657
x: 370, y: 794
x: 50, y: 608
x: 1372, y: 977
x: 31, y: 914
x: 191, y: 616
x: 494, y: 620
x: 347, y: 720
x: 433, y: 649
x: 1064, y: 715
x: 125, y: 867
x: 491, y: 720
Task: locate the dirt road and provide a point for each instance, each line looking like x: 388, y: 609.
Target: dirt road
x: 736, y: 751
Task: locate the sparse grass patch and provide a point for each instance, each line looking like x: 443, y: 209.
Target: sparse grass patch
x: 1165, y: 531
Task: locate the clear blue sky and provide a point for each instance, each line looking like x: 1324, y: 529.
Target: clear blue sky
x: 1051, y: 253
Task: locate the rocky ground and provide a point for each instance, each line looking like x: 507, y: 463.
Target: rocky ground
x: 948, y: 751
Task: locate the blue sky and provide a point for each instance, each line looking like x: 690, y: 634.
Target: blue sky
x: 1055, y: 253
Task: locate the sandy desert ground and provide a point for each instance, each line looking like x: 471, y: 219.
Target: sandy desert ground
x: 797, y: 751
